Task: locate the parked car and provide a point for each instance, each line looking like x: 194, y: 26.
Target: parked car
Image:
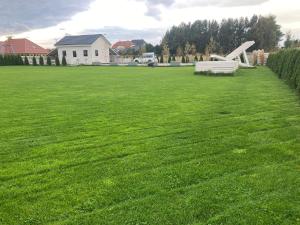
x: 146, y: 58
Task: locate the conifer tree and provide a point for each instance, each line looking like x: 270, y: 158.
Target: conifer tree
x: 34, y: 61
x: 41, y: 61
x: 49, y: 63
x: 64, y: 61
x: 26, y: 61
x: 57, y: 63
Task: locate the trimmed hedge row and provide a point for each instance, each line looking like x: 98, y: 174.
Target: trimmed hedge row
x: 13, y: 60
x: 8, y: 60
x: 286, y: 63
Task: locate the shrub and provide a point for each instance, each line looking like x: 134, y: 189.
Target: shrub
x: 41, y: 61
x: 201, y: 58
x: 183, y: 59
x: 49, y: 63
x: 34, y: 61
x: 169, y: 59
x: 57, y: 63
x: 1, y: 60
x: 26, y: 61
x: 196, y: 58
x: 286, y: 63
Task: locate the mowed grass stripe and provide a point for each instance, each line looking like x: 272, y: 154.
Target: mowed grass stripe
x: 185, y: 139
x: 94, y: 145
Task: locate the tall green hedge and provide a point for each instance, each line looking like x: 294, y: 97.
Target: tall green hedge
x: 10, y: 60
x: 286, y: 63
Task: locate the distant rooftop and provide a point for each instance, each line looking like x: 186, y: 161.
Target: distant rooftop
x: 123, y: 44
x: 21, y: 46
x: 80, y: 40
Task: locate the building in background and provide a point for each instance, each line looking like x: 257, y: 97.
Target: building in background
x: 139, y: 44
x: 129, y: 47
x: 84, y: 49
x: 22, y: 46
x: 122, y: 45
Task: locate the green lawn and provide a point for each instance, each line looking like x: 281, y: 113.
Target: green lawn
x: 147, y: 146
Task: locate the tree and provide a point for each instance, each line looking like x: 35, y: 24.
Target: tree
x: 169, y: 59
x: 49, y: 63
x: 193, y: 49
x: 179, y: 51
x: 196, y: 58
x: 64, y: 61
x: 187, y: 60
x: 211, y: 47
x: 227, y: 35
x: 150, y: 48
x: 288, y: 41
x: 158, y: 50
x: 266, y: 33
x: 34, y: 61
x: 161, y: 59
x: 187, y: 48
x: 182, y: 59
x: 174, y: 58
x: 201, y: 58
x: 41, y: 61
x: 26, y: 61
x: 57, y: 62
x: 165, y: 49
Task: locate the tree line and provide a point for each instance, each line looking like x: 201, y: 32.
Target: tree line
x: 210, y: 36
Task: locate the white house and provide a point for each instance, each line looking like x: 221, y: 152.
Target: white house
x: 84, y: 49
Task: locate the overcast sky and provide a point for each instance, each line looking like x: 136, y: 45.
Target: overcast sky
x: 46, y: 21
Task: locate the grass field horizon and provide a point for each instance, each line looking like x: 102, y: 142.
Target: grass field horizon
x: 155, y: 146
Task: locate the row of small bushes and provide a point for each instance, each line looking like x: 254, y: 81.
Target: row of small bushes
x: 286, y: 63
x: 16, y: 60
x: 184, y: 59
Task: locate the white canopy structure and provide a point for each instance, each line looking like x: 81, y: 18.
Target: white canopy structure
x: 236, y: 55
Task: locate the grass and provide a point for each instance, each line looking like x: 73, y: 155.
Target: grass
x: 156, y: 146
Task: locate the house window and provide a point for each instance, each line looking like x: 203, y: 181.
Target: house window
x: 74, y: 54
x: 96, y: 53
x: 85, y: 52
x: 64, y: 53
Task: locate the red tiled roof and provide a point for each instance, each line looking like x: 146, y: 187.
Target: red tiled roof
x: 22, y: 46
x: 123, y: 44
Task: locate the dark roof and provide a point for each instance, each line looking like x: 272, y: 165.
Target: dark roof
x: 80, y: 40
x: 139, y: 42
x: 53, y: 53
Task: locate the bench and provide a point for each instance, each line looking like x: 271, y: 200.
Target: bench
x: 216, y: 67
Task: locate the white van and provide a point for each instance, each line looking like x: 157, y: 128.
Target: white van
x: 146, y: 58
